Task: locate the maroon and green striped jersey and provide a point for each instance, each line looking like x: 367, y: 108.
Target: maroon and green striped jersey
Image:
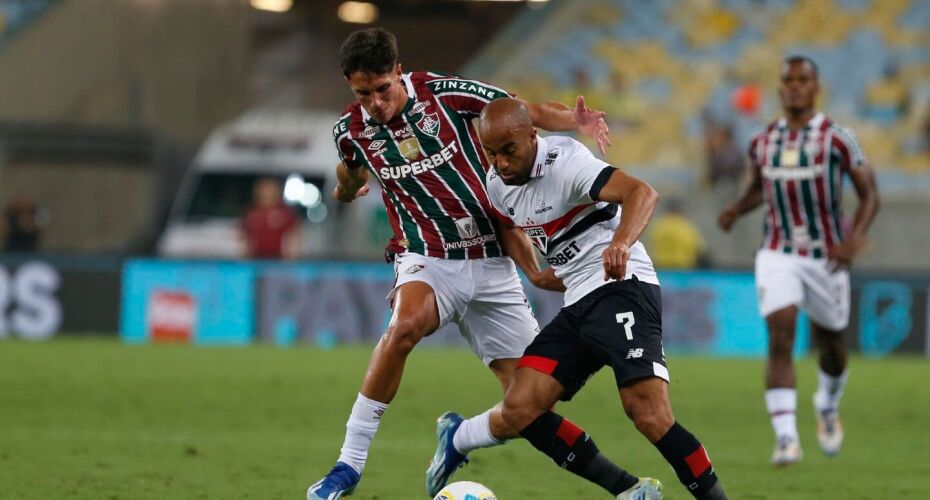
x: 802, y: 183
x: 430, y: 166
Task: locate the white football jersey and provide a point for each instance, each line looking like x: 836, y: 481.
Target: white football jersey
x: 555, y: 208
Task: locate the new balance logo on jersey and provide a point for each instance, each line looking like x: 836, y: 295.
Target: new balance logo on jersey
x: 634, y: 353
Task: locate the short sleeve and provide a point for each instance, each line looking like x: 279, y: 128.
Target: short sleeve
x: 850, y: 152
x: 348, y: 153
x: 585, y: 174
x: 466, y: 97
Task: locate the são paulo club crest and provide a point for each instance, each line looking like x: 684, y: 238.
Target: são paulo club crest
x: 429, y: 124
x: 538, y: 236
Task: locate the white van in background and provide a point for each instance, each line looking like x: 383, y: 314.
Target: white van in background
x: 294, y: 146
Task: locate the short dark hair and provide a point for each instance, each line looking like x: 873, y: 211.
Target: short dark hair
x: 802, y: 59
x: 372, y: 50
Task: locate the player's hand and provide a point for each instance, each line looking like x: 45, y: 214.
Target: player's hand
x: 346, y: 197
x: 547, y: 280
x: 842, y: 256
x: 615, y: 258
x: 727, y: 218
x: 592, y: 124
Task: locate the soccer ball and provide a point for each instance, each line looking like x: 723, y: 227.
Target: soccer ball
x: 465, y: 490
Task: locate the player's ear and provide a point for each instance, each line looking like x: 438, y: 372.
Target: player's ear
x: 400, y: 69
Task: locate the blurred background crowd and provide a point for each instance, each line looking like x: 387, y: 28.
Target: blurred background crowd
x: 202, y: 128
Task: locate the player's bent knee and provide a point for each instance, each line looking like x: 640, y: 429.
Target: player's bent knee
x: 403, y: 335
x: 653, y: 425
x: 519, y: 412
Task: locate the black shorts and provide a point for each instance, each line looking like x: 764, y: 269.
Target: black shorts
x: 618, y: 324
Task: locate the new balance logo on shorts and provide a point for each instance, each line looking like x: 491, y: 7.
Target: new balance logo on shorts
x: 634, y: 353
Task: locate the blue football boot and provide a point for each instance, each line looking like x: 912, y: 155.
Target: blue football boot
x: 341, y: 481
x: 447, y: 459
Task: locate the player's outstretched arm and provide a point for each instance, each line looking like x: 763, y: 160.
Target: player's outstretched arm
x: 557, y: 117
x: 517, y: 245
x: 747, y: 202
x: 351, y: 183
x: 863, y: 179
x: 639, y: 201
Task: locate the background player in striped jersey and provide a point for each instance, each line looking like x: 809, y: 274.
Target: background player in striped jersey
x: 414, y: 132
x: 797, y: 167
x: 569, y: 202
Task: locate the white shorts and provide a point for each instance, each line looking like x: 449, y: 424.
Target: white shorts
x: 784, y: 280
x: 483, y: 296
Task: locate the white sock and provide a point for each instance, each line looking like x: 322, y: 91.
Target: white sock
x: 829, y: 390
x: 475, y: 433
x: 360, y: 430
x: 782, y: 404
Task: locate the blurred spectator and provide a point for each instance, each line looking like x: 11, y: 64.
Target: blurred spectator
x: 747, y: 99
x: 22, y: 225
x: 726, y: 162
x: 271, y: 229
x: 887, y: 99
x: 674, y: 241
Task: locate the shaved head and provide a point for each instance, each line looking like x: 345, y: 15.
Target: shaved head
x: 504, y: 113
x: 509, y: 139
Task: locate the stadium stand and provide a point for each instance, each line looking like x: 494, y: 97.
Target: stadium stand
x: 658, y: 67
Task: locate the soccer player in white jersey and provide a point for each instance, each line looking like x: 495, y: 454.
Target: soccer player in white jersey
x: 566, y: 201
x: 414, y: 133
x: 797, y: 168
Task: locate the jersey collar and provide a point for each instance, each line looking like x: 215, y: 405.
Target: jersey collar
x: 814, y: 122
x: 411, y: 98
x: 542, y: 149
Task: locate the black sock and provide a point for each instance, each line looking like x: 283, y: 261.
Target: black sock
x: 571, y: 448
x: 692, y: 465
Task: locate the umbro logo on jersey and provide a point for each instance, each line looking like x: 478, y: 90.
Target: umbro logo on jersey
x: 418, y: 108
x: 376, y: 145
x: 370, y: 131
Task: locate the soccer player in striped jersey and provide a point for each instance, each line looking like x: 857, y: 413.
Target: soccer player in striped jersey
x: 797, y: 168
x: 413, y: 133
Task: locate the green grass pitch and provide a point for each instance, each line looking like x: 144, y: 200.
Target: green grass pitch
x: 95, y: 419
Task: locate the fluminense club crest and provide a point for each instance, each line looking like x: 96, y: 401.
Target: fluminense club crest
x: 538, y: 236
x: 429, y: 124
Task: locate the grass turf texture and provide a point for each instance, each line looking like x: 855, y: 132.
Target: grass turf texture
x: 95, y: 419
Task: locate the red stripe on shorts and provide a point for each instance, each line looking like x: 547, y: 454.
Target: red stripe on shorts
x: 698, y: 462
x: 538, y: 363
x: 568, y: 432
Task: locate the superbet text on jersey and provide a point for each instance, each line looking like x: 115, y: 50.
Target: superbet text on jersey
x: 430, y: 166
